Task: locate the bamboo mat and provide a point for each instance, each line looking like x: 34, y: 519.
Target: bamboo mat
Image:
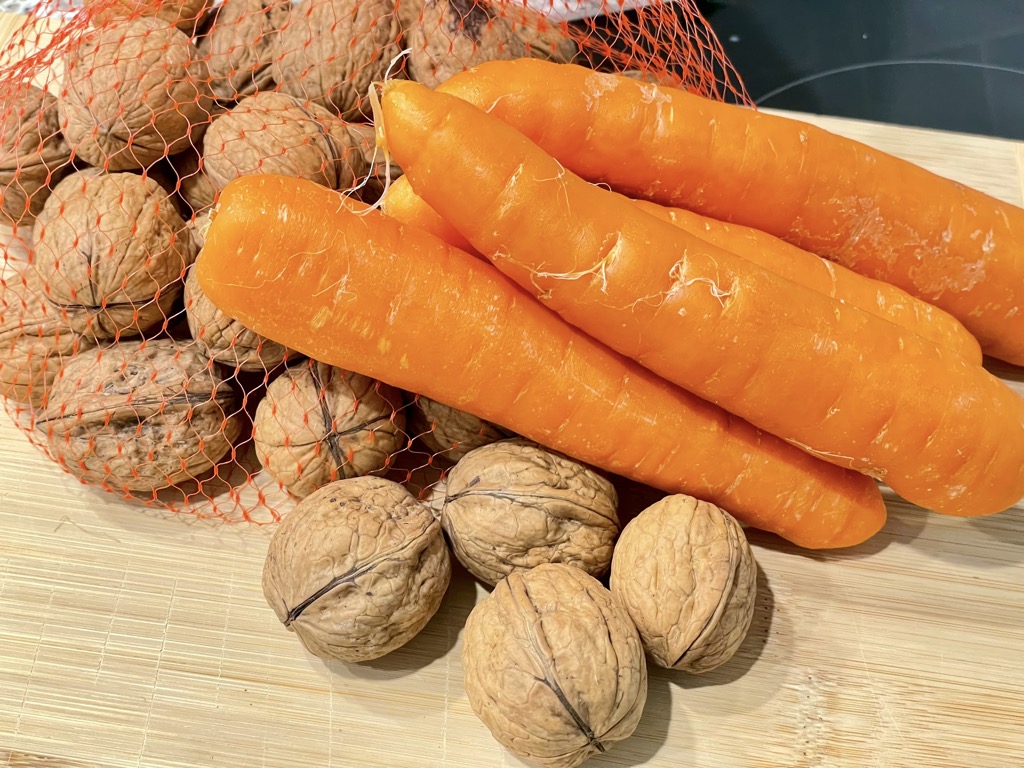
x: 131, y: 639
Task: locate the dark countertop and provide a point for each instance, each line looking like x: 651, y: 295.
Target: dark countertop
x: 948, y: 64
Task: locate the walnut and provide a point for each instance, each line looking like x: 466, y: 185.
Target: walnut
x: 33, y: 339
x: 238, y: 47
x: 318, y: 423
x: 357, y: 569
x: 185, y: 14
x: 133, y: 93
x: 197, y: 228
x: 553, y: 666
x: 448, y: 431
x: 330, y: 51
x: 512, y: 505
x: 33, y: 153
x: 224, y: 339
x: 275, y: 133
x: 139, y: 416
x: 686, y: 575
x: 194, y: 187
x: 449, y: 36
x: 112, y: 250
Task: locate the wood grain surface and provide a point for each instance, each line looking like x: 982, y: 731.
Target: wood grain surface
x: 132, y: 639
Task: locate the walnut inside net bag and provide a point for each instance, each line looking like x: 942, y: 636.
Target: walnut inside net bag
x: 225, y: 340
x: 140, y: 416
x: 553, y: 666
x: 34, y: 340
x: 185, y: 14
x: 318, y: 423
x: 686, y: 575
x: 238, y: 46
x: 357, y: 569
x: 275, y: 133
x: 449, y: 432
x: 133, y: 93
x: 513, y: 505
x: 330, y: 51
x: 33, y: 153
x: 112, y: 251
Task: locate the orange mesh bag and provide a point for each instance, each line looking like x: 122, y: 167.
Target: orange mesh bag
x: 121, y: 122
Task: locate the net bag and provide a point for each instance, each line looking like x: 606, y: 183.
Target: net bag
x: 120, y: 123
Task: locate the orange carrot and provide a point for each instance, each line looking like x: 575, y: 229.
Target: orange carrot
x: 878, y: 298
x: 838, y: 381
x: 365, y: 293
x: 886, y: 218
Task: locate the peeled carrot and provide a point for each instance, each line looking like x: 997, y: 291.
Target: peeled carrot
x: 878, y: 298
x: 886, y: 218
x: 841, y: 383
x: 358, y: 290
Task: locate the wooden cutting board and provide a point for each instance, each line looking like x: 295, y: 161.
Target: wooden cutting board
x: 132, y: 639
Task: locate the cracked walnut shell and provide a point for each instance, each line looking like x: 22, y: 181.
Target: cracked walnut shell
x: 357, y: 569
x: 133, y: 93
x: 513, y: 505
x: 139, y: 416
x: 686, y: 575
x: 319, y: 423
x: 553, y: 666
x: 112, y: 250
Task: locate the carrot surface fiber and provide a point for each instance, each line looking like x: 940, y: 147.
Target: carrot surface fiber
x: 881, y: 299
x: 354, y: 288
x: 884, y: 217
x: 835, y: 380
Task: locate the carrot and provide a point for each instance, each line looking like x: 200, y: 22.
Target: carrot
x: 776, y: 255
x: 842, y: 383
x: 360, y: 291
x: 886, y: 218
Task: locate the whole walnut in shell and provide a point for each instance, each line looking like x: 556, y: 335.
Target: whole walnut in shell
x: 553, y: 666
x: 34, y: 341
x: 33, y: 153
x: 357, y: 569
x: 185, y: 14
x: 512, y: 505
x: 318, y: 423
x: 139, y: 416
x: 330, y: 51
x: 224, y: 339
x: 112, y: 250
x: 686, y: 575
x: 449, y: 432
x: 238, y: 48
x: 449, y: 36
x: 133, y: 93
x: 275, y: 133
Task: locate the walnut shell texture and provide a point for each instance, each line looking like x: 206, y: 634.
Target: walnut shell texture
x: 193, y: 185
x: 357, y: 569
x: 139, y: 416
x: 184, y: 14
x: 686, y: 575
x: 512, y: 505
x: 319, y: 423
x: 275, y: 133
x: 224, y: 339
x: 112, y: 250
x: 449, y: 432
x: 553, y: 666
x: 33, y: 153
x: 34, y: 341
x: 133, y: 93
x: 330, y: 51
x: 238, y: 48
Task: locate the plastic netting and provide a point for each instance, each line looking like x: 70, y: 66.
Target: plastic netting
x: 122, y: 120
